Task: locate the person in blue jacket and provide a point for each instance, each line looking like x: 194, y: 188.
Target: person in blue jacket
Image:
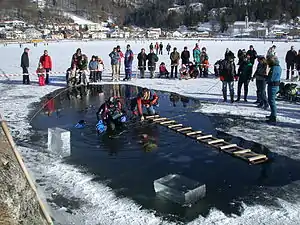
x: 128, y: 58
x: 274, y: 76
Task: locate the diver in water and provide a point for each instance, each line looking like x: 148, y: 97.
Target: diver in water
x: 110, y: 115
x: 146, y: 98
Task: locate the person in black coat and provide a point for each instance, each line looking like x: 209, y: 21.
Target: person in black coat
x: 25, y: 65
x: 227, y: 76
x: 290, y: 60
x: 152, y: 60
x: 298, y: 64
x: 252, y: 53
x: 229, y: 54
x: 142, y: 58
x: 185, y: 56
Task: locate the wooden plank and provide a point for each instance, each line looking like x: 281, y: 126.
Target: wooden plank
x: 166, y: 122
x: 204, y: 137
x: 258, y: 157
x: 248, y: 154
x: 150, y: 117
x: 242, y: 151
x: 228, y: 146
x: 183, y: 129
x: 259, y: 161
x: 175, y: 125
x: 194, y: 132
x: 231, y: 151
x: 159, y: 119
x: 215, y: 141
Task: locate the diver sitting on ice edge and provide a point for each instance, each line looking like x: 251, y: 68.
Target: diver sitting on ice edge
x: 146, y: 98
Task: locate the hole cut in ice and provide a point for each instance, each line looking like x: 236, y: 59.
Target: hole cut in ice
x: 180, y: 189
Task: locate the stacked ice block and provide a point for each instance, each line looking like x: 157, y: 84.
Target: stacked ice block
x: 59, y: 141
x: 179, y: 189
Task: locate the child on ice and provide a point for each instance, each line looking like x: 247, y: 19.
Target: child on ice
x: 163, y: 70
x: 40, y: 71
x: 100, y: 69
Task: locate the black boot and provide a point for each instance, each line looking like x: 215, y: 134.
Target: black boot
x: 232, y: 98
x: 224, y: 97
x: 47, y: 79
x: 272, y: 119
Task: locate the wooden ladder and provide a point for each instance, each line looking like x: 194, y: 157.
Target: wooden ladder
x: 231, y: 149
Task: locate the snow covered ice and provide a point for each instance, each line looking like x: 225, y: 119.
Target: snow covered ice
x: 59, y: 141
x: 179, y: 189
x: 101, y: 205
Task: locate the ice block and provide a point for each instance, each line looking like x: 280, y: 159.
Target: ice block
x: 59, y: 141
x: 179, y: 189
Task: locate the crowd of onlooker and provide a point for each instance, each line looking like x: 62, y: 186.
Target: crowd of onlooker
x: 184, y: 65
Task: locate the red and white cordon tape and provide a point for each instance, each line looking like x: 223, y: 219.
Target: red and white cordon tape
x: 30, y: 74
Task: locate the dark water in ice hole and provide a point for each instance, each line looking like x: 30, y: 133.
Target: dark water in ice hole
x: 124, y: 165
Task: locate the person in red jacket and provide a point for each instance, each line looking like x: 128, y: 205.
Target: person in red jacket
x: 46, y: 61
x: 146, y: 98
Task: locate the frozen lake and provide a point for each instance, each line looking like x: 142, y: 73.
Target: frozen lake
x: 129, y: 169
x: 86, y: 188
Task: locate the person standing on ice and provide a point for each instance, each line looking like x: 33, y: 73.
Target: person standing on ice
x: 25, y: 65
x: 274, y: 76
x: 204, y: 63
x: 252, y: 53
x: 260, y: 75
x: 76, y: 57
x: 298, y: 64
x: 290, y: 60
x: 161, y: 47
x: 46, y: 61
x: 152, y: 60
x: 114, y: 57
x: 271, y: 52
x: 83, y: 69
x: 128, y: 58
x: 228, y: 54
x: 142, y: 60
x: 93, y: 67
x: 241, y: 55
x: 244, y: 74
x: 156, y: 47
x: 175, y: 57
x: 227, y: 76
x: 196, y: 56
x: 121, y: 56
x: 151, y: 46
x: 185, y: 56
x: 100, y: 69
x: 168, y: 48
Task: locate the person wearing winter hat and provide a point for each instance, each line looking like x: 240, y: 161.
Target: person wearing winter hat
x: 142, y: 59
x: 25, y: 65
x: 252, y: 53
x: 128, y: 58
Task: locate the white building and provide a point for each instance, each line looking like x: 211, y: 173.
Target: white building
x: 239, y: 25
x: 11, y: 35
x: 177, y: 34
x: 154, y: 33
x: 98, y: 35
x: 117, y: 34
x: 32, y: 33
